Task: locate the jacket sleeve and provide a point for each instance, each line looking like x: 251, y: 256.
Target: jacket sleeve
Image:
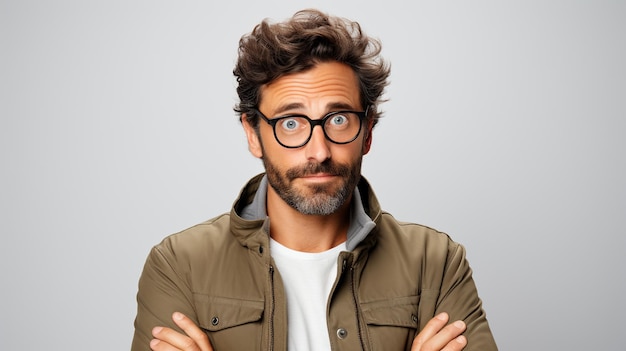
x: 448, y: 287
x: 458, y: 297
x: 163, y: 290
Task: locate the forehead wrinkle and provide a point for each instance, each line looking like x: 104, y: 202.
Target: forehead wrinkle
x: 336, y: 86
x: 307, y: 89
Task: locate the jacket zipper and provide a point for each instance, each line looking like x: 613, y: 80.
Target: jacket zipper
x: 356, y: 307
x: 272, y: 308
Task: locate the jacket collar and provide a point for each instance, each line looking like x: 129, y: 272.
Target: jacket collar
x: 248, y: 214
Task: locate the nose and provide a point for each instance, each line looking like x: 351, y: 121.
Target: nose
x: 318, y: 147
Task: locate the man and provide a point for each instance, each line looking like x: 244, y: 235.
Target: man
x: 306, y: 259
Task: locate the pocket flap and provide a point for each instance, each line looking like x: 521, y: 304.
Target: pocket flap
x: 217, y: 313
x: 400, y: 312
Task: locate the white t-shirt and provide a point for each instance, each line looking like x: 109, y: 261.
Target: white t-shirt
x: 308, y: 279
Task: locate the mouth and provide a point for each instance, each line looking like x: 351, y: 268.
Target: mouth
x: 318, y: 177
x: 316, y: 172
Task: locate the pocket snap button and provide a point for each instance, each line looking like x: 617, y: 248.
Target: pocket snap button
x: 342, y: 333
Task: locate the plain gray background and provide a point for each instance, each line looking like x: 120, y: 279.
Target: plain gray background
x: 505, y: 128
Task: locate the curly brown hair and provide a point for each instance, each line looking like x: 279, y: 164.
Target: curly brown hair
x: 309, y: 37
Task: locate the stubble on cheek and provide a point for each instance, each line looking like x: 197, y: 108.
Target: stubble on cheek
x: 314, y: 198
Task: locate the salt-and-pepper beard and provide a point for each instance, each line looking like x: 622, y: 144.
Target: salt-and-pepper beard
x: 323, y: 199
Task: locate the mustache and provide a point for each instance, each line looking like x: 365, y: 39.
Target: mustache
x: 328, y: 167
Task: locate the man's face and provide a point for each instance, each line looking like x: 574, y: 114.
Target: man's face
x: 319, y: 177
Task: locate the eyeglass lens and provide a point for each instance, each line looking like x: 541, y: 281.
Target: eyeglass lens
x: 340, y: 127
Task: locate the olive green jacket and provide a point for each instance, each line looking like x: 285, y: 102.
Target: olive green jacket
x: 221, y: 274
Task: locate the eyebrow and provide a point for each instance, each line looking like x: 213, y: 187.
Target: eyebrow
x: 329, y: 107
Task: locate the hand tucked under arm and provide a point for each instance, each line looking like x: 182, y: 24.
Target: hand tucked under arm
x: 166, y: 339
x: 437, y: 336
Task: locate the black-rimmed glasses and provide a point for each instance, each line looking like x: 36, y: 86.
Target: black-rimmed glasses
x: 294, y: 131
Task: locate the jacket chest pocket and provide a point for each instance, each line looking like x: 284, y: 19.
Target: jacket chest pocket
x: 391, y: 324
x: 231, y: 324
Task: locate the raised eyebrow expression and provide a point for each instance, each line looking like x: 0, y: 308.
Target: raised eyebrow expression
x: 325, y: 116
x: 281, y: 111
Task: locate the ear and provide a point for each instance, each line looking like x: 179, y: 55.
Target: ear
x: 254, y: 143
x: 367, y: 143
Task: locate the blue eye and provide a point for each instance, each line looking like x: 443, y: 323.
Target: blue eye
x: 338, y: 120
x: 290, y: 124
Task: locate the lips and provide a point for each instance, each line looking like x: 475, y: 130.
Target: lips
x: 318, y: 177
x: 317, y: 170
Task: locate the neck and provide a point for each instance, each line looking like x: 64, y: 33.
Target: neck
x: 307, y: 233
